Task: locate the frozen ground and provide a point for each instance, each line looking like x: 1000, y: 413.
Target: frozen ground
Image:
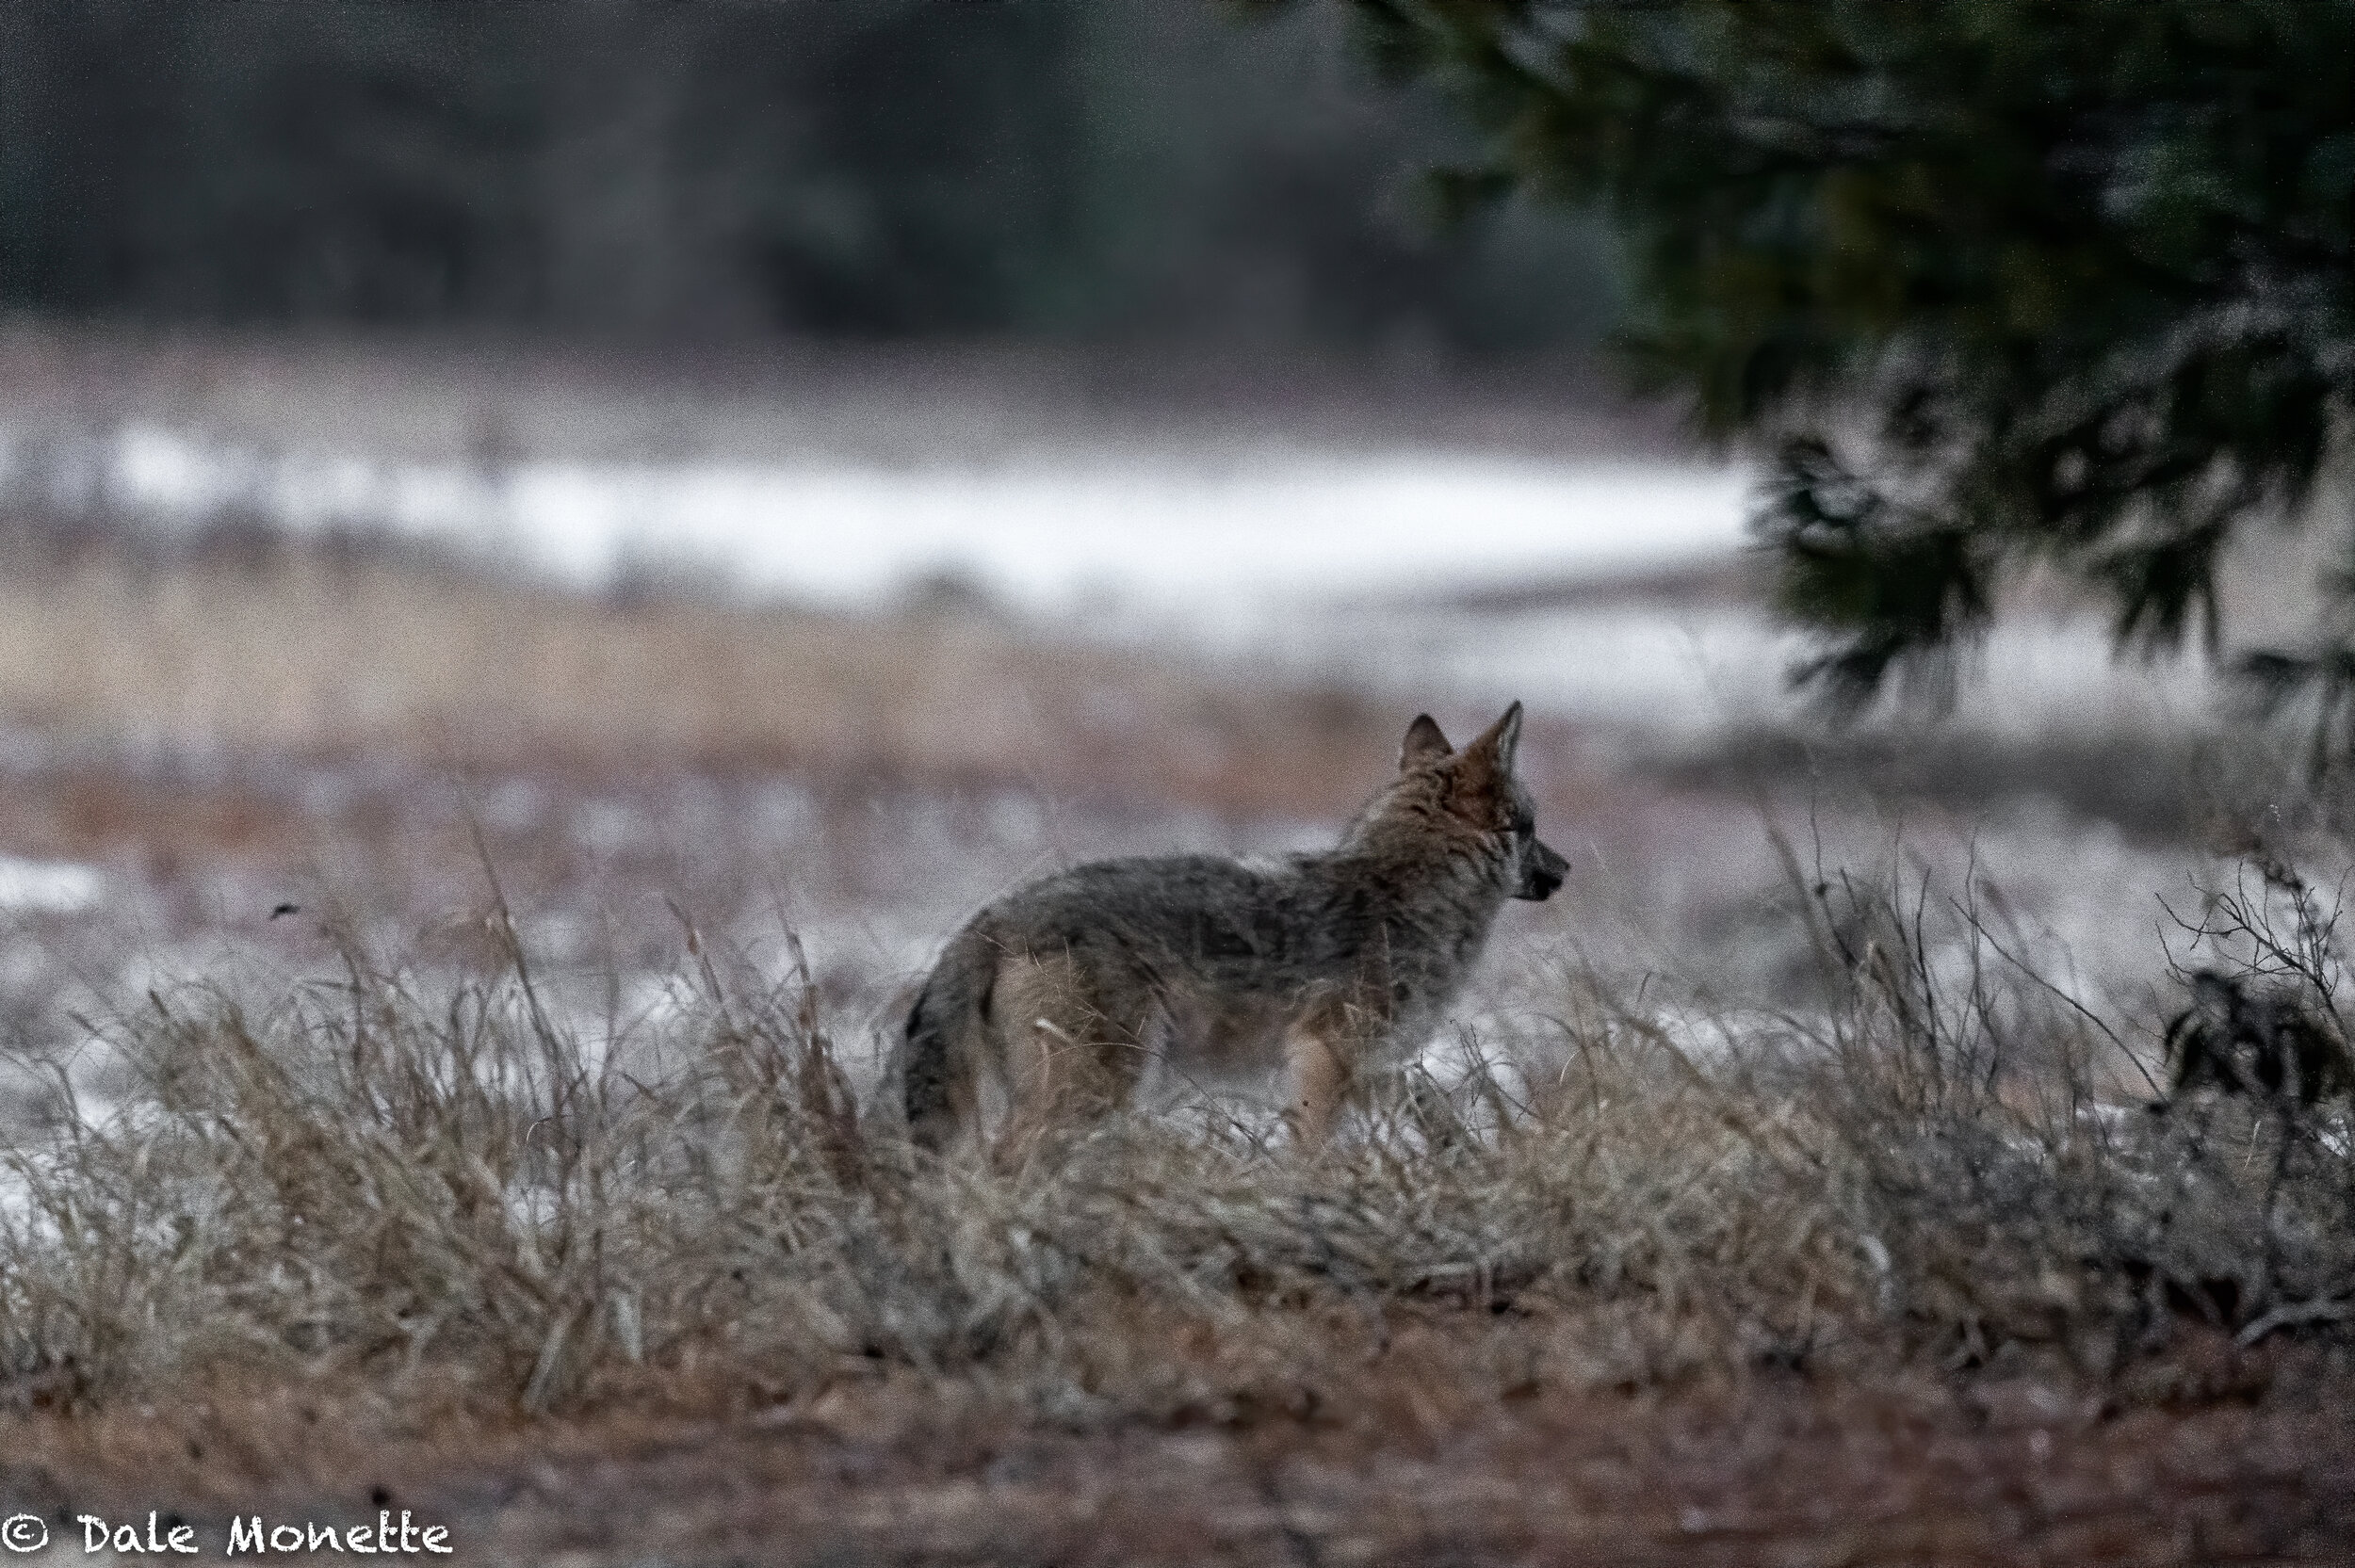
x: 1128, y: 649
x: 1409, y: 572
x: 623, y: 882
x: 1680, y: 674
x: 1176, y: 532
x: 1599, y: 583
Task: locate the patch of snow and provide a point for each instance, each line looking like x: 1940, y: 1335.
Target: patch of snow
x: 1047, y: 535
x: 1688, y: 672
x: 49, y: 887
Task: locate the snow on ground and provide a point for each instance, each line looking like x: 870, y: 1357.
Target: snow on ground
x: 1173, y: 531
x: 1681, y: 674
x: 1307, y: 563
x: 1362, y: 571
x: 48, y: 887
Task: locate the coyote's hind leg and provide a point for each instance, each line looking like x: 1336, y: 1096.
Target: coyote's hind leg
x: 1067, y: 1062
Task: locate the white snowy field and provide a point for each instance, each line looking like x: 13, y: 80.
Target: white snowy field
x: 1365, y: 567
x: 1177, y: 532
x: 1451, y: 575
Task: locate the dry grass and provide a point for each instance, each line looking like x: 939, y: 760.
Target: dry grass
x: 410, y: 1181
x: 321, y: 648
x: 1632, y: 1258
x: 370, y: 1186
x: 468, y: 398
x: 1906, y: 1277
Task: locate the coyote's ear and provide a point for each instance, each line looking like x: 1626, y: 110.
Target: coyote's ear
x: 1498, y: 743
x: 1424, y: 743
x: 1488, y: 762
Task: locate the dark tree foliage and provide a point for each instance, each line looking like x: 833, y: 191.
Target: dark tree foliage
x: 869, y: 168
x: 1997, y: 282
x: 273, y: 160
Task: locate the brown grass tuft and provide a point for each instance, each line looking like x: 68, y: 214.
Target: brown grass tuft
x: 372, y: 1184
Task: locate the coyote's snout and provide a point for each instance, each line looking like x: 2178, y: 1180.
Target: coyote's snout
x: 1071, y: 990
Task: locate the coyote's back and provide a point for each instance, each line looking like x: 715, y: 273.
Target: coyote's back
x: 1069, y: 989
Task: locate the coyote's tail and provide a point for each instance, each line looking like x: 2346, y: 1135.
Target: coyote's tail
x: 944, y: 1039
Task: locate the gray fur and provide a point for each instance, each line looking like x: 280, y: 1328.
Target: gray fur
x: 1317, y: 964
x: 2251, y: 1041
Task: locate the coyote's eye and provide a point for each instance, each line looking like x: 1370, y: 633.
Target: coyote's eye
x: 1521, y: 820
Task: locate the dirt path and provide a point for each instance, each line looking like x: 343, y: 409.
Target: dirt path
x: 1788, y: 1471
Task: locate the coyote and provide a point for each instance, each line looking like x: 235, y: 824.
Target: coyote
x: 1317, y: 966
x: 2256, y: 1041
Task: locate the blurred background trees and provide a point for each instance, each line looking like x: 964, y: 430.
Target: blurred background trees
x: 1071, y: 168
x: 1999, y: 285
